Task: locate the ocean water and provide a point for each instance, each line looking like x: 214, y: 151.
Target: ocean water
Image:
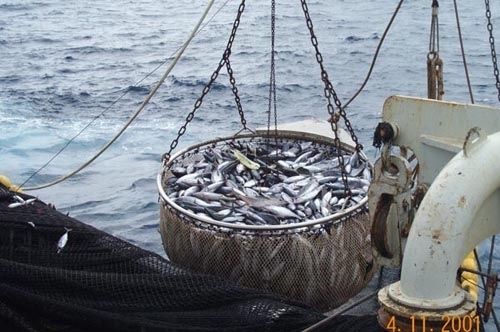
x: 70, y: 65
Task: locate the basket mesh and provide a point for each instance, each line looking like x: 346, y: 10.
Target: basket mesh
x: 322, y: 265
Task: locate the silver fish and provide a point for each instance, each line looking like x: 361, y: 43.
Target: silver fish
x: 219, y: 180
x: 295, y: 178
x: 310, y: 185
x: 190, y: 191
x: 308, y: 195
x: 211, y: 196
x: 216, y: 176
x: 20, y: 202
x: 303, y: 156
x: 213, y: 187
x: 63, y: 240
x: 219, y: 215
x: 188, y: 180
x: 281, y: 211
x: 258, y: 201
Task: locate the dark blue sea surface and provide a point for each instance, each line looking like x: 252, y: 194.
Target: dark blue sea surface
x: 67, y: 64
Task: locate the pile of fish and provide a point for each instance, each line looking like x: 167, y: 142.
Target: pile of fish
x: 266, y: 182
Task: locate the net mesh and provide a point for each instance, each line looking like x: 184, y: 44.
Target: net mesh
x: 100, y: 283
x: 322, y: 265
x: 316, y: 268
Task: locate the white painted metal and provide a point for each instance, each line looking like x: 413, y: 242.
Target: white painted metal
x: 458, y: 212
x: 435, y: 130
x: 309, y: 127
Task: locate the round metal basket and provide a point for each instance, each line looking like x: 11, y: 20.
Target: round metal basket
x: 322, y: 262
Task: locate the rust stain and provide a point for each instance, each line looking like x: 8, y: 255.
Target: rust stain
x: 438, y: 236
x: 462, y: 202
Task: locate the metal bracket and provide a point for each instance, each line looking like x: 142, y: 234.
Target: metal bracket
x: 390, y: 207
x: 491, y: 286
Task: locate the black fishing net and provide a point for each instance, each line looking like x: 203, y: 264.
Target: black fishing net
x: 99, y: 282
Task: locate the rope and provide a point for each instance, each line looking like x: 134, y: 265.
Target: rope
x: 376, y: 54
x: 138, y: 111
x: 459, y: 29
x: 343, y: 311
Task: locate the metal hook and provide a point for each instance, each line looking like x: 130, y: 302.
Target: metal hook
x: 474, y: 137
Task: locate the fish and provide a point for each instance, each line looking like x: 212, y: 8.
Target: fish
x: 308, y: 195
x: 226, y: 166
x: 63, y: 240
x: 192, y: 200
x: 303, y: 156
x: 280, y: 211
x: 188, y: 180
x: 190, y: 191
x: 250, y: 183
x: 216, y: 176
x: 219, y: 215
x: 260, y: 201
x: 293, y: 179
x: 20, y: 202
x: 211, y: 196
x: 254, y: 217
x: 285, y: 181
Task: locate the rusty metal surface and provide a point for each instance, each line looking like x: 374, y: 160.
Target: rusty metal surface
x: 389, y: 203
x: 394, y: 316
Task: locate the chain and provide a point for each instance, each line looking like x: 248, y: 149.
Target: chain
x: 272, y: 75
x: 329, y: 91
x: 435, y: 83
x: 224, y: 61
x: 329, y: 94
x: 237, y: 99
x: 434, y: 35
x: 492, y: 45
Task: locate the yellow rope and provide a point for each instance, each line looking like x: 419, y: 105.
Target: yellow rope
x: 468, y: 280
x: 5, y: 181
x: 139, y: 110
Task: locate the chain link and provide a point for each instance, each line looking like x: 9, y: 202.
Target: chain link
x: 492, y: 45
x: 206, y: 89
x: 435, y: 83
x: 329, y: 91
x: 272, y: 76
x: 329, y: 94
x: 237, y: 99
x: 434, y: 34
